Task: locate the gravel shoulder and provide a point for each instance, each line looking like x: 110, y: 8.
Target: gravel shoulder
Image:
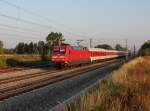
x: 45, y: 98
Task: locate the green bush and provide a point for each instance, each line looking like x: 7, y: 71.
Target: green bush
x: 145, y: 49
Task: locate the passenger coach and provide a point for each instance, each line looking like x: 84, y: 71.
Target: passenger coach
x: 100, y: 54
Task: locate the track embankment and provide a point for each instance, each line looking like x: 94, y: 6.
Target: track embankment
x: 126, y: 89
x: 58, y: 87
x: 13, y: 85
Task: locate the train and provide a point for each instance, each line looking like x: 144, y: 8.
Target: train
x: 67, y: 55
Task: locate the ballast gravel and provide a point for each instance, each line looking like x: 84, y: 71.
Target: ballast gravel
x: 45, y: 98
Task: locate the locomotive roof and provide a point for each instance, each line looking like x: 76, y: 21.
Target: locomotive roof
x: 79, y: 47
x: 73, y: 47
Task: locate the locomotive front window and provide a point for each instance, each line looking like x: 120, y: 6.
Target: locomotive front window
x: 62, y: 51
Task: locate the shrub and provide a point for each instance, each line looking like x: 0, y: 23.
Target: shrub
x: 127, y: 89
x: 145, y: 49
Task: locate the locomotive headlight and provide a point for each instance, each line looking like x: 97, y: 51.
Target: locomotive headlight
x: 62, y: 57
x: 58, y: 57
x: 54, y: 56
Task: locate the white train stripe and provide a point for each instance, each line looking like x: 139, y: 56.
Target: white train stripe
x: 103, y: 57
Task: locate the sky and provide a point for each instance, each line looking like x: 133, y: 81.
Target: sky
x: 105, y: 21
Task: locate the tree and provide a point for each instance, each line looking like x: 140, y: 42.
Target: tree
x: 31, y: 48
x: 46, y: 52
x: 104, y: 46
x: 35, y: 48
x: 20, y: 48
x: 41, y: 47
x: 1, y: 47
x: 145, y: 49
x: 55, y: 38
x: 26, y: 48
x: 120, y: 48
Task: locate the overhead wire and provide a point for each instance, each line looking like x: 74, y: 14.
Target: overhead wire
x: 25, y: 21
x: 33, y: 23
x: 18, y: 36
x: 16, y: 31
x: 21, y: 28
x: 43, y: 17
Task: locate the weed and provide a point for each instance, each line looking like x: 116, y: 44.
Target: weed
x: 127, y: 89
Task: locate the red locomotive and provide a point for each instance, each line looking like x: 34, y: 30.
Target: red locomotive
x: 66, y: 55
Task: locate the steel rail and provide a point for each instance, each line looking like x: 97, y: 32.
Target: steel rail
x: 25, y: 76
x: 31, y: 83
x: 14, y: 69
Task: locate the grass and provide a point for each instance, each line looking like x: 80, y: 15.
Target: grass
x: 20, y: 60
x: 3, y: 62
x: 127, y: 89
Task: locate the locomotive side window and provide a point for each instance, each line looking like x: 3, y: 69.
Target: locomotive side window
x: 56, y: 51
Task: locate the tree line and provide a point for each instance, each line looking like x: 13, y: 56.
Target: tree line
x: 44, y: 48
x: 30, y: 48
x: 54, y: 38
x: 106, y: 46
x: 41, y: 47
x: 25, y: 48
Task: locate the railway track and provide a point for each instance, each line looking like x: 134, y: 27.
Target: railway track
x: 14, y: 69
x: 12, y: 86
x: 5, y: 70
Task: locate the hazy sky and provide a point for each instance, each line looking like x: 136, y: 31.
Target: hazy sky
x: 106, y: 21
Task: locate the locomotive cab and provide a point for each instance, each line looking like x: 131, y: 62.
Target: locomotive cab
x: 66, y: 55
x: 59, y: 54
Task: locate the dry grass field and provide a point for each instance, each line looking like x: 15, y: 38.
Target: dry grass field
x: 23, y: 57
x: 127, y: 89
x: 17, y: 60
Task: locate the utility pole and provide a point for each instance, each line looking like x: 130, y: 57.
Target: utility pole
x: 91, y: 40
x: 126, y: 40
x: 79, y: 41
x: 134, y: 50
